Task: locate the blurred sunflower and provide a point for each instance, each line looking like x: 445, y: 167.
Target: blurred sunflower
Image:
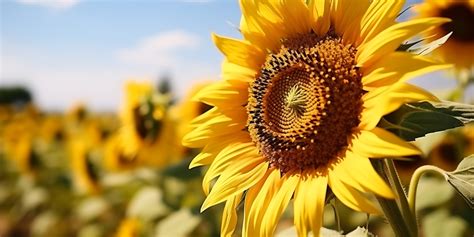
x: 51, y: 128
x: 18, y: 141
x: 84, y: 170
x: 115, y: 158
x: 298, y: 107
x: 188, y: 108
x: 459, y: 49
x: 147, y: 132
x: 128, y: 228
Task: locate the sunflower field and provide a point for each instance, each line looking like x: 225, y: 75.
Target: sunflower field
x: 313, y: 127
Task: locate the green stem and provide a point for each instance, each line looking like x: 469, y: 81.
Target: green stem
x: 336, y: 214
x: 402, y: 197
x: 414, y: 183
x: 390, y: 206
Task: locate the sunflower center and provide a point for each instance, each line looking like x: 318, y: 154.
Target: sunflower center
x: 146, y: 125
x: 305, y: 102
x: 462, y: 16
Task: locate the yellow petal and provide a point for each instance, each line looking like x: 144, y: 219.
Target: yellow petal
x: 239, y: 52
x: 229, y: 215
x: 309, y: 201
x: 379, y: 143
x: 232, y: 153
x: 379, y: 16
x: 360, y: 170
x: 233, y: 72
x: 224, y: 94
x: 399, y: 66
x: 239, y: 177
x: 250, y: 196
x: 350, y: 197
x: 262, y: 29
x: 320, y: 11
x: 215, y: 127
x: 347, y: 20
x: 295, y: 14
x: 210, y: 151
x: 260, y: 202
x: 385, y: 100
x: 285, y: 188
x: 390, y: 39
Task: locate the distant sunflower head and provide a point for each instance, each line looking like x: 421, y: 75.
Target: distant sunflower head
x: 115, y: 158
x: 129, y: 227
x: 298, y: 107
x: 459, y: 49
x: 51, y: 129
x: 142, y: 117
x: 84, y: 167
x: 147, y: 131
x: 77, y: 113
x: 18, y: 144
x: 189, y: 108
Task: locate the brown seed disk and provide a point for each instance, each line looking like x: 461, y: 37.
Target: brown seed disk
x: 462, y: 21
x: 305, y: 102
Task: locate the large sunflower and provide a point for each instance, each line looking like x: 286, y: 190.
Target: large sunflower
x: 298, y: 107
x: 459, y: 49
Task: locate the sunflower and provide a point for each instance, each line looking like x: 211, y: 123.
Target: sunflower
x: 18, y: 138
x: 188, y: 108
x: 114, y: 157
x: 459, y: 49
x: 84, y: 170
x: 51, y: 129
x: 147, y: 131
x: 298, y: 106
x: 129, y: 227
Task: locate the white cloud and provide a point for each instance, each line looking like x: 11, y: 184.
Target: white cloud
x: 159, y: 50
x: 54, y: 4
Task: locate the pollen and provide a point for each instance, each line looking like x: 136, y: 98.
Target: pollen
x: 306, y: 102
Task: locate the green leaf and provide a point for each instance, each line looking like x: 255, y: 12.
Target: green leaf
x: 462, y: 179
x: 415, y: 120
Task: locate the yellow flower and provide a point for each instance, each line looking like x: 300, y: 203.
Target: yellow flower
x: 51, y: 128
x: 129, y: 227
x: 17, y: 142
x: 459, y: 49
x: 298, y: 107
x: 189, y: 108
x: 147, y: 130
x: 115, y: 158
x: 84, y: 171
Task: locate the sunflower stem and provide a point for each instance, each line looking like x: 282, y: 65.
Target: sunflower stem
x: 336, y: 214
x: 405, y: 207
x: 390, y: 206
x: 414, y: 183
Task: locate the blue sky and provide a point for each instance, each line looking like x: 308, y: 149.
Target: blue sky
x: 86, y: 50
x: 83, y: 50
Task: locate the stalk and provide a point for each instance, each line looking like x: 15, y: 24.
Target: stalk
x: 390, y: 206
x: 414, y: 183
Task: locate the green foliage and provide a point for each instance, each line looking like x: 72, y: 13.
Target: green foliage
x: 11, y: 95
x: 415, y: 120
x: 462, y: 179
